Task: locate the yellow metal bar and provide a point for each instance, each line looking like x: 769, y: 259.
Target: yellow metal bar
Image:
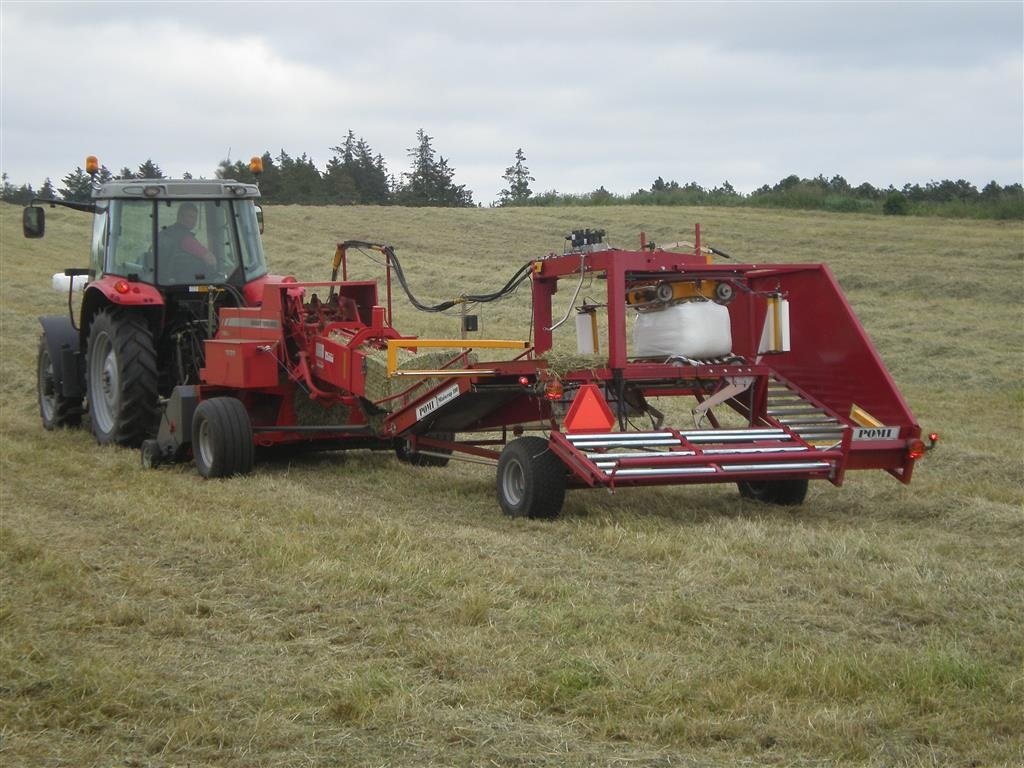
x: 433, y: 372
x: 863, y: 418
x: 395, y: 344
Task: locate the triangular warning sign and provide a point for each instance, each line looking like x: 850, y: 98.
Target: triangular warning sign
x: 589, y: 412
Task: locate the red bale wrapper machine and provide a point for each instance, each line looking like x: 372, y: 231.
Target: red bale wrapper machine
x: 781, y: 383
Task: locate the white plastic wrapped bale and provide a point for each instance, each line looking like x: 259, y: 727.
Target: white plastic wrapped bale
x: 695, y: 329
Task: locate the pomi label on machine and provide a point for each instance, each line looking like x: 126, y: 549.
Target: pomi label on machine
x: 876, y: 433
x: 442, y: 397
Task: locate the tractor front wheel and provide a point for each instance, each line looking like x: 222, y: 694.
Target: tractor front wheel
x: 222, y: 438
x: 121, y: 378
x: 531, y: 479
x: 55, y: 409
x: 786, y: 493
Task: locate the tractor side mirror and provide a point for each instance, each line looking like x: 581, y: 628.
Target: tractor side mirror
x: 259, y: 218
x: 33, y: 221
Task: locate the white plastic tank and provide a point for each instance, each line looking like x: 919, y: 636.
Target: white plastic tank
x: 62, y: 282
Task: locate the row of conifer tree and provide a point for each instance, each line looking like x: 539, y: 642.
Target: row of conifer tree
x: 356, y: 175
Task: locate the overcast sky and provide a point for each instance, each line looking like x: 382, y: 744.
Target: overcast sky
x: 611, y: 94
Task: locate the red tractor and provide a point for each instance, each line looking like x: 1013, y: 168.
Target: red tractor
x: 166, y: 257
x: 185, y: 346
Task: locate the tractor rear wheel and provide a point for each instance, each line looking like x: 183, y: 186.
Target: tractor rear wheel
x: 222, y: 438
x: 786, y: 493
x: 121, y: 378
x: 55, y: 409
x: 418, y: 459
x: 531, y: 479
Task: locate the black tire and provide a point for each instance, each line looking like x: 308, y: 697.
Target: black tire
x: 121, y: 378
x: 421, y: 460
x: 151, y: 456
x: 786, y: 493
x: 222, y: 438
x: 531, y: 479
x: 55, y: 409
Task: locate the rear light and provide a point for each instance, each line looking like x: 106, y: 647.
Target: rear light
x: 524, y: 381
x: 554, y: 390
x: 916, y: 449
x: 933, y: 438
x: 121, y: 286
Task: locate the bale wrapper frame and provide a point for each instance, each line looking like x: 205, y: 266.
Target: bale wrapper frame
x: 785, y: 385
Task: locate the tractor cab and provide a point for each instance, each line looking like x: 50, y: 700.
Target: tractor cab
x: 166, y: 256
x: 177, y: 233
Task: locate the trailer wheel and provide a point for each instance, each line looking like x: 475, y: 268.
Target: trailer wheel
x: 55, y: 409
x: 222, y: 438
x: 787, y: 493
x: 121, y: 378
x: 418, y: 459
x: 531, y: 479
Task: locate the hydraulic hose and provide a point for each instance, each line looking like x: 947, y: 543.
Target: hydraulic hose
x: 520, y: 275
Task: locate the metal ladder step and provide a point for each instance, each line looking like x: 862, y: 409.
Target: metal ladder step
x: 659, y: 456
x: 660, y: 471
x: 605, y: 460
x: 804, y: 407
x: 639, y: 472
x: 835, y: 435
x: 787, y: 467
x: 698, y: 436
x: 822, y: 419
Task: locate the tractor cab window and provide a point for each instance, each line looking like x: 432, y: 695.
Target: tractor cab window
x: 193, y: 244
x: 179, y: 242
x: 126, y: 235
x: 100, y: 234
x: 253, y: 261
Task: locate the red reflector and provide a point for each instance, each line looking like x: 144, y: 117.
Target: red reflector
x: 523, y: 380
x: 589, y: 412
x: 934, y: 437
x: 121, y: 286
x: 916, y: 449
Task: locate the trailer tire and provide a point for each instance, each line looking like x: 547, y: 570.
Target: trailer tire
x: 531, y: 479
x: 55, y: 409
x: 121, y: 378
x: 786, y: 493
x: 417, y: 459
x: 222, y: 438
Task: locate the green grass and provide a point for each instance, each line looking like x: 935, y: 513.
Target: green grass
x: 350, y: 610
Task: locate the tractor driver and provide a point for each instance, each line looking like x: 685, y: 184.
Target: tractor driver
x: 181, y: 254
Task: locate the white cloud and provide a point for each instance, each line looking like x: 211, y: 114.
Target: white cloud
x: 601, y: 94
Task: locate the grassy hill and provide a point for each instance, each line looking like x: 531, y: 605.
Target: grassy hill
x: 350, y: 610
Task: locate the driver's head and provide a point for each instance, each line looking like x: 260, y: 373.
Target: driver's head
x: 188, y: 215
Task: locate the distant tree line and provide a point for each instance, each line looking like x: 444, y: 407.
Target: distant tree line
x: 959, y: 198
x: 353, y: 175
x: 356, y: 175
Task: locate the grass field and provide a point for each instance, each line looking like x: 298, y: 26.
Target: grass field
x: 337, y: 610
